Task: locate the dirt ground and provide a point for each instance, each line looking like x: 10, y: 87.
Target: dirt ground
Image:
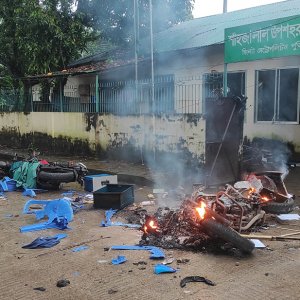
x: 270, y: 273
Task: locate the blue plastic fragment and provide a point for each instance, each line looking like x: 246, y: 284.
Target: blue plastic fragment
x: 159, y: 268
x: 32, y: 192
x: 45, y: 242
x: 80, y: 248
x: 59, y: 212
x: 107, y: 222
x: 68, y: 193
x: 3, y: 186
x: 119, y: 260
x: 155, y: 252
x: 108, y: 214
x: 29, y: 192
x: 57, y: 224
x: 76, y: 207
x: 53, y: 209
x: 7, y: 184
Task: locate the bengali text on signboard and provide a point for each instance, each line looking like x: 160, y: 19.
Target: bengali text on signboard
x: 275, y: 38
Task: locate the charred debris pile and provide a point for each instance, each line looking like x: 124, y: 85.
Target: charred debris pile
x: 214, y: 222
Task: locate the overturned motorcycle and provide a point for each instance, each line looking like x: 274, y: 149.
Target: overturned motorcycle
x: 50, y: 176
x: 45, y: 175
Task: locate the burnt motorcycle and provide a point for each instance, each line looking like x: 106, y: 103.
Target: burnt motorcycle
x: 269, y: 187
x: 217, y: 226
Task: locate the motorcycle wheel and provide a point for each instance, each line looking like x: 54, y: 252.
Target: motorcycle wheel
x: 218, y: 230
x: 279, y: 208
x: 48, y: 174
x: 50, y: 186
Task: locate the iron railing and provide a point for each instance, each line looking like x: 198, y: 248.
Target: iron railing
x: 171, y: 96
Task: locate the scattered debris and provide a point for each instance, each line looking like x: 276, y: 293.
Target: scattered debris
x: 182, y: 260
x: 160, y: 268
x: 287, y: 218
x: 257, y: 243
x: 40, y: 288
x: 119, y: 260
x: 32, y: 192
x: 155, y: 252
x: 62, y: 283
x: 151, y: 196
x: 140, y: 263
x: 112, y: 291
x: 7, y: 184
x: 182, y: 229
x: 102, y: 261
x: 147, y: 203
x: 80, y: 248
x: 168, y: 261
x: 107, y: 222
x: 45, y: 242
x: 188, y: 279
x: 58, y: 211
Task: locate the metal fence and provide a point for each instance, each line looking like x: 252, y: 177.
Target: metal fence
x: 167, y: 95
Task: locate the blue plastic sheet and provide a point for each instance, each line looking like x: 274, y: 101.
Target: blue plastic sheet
x: 7, y: 184
x: 32, y: 192
x: 155, y: 252
x: 29, y: 192
x: 119, y: 260
x: 60, y: 224
x: 68, y: 194
x: 159, y: 268
x: 107, y: 222
x: 80, y: 248
x: 45, y: 242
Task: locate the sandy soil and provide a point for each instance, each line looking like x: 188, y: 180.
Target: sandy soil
x: 271, y: 273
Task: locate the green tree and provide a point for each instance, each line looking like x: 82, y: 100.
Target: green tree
x: 115, y: 18
x: 40, y: 36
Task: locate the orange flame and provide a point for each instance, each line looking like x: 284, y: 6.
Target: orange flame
x: 265, y: 199
x: 152, y: 224
x: 201, y: 210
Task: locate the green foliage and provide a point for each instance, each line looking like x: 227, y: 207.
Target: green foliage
x: 115, y: 18
x: 40, y: 36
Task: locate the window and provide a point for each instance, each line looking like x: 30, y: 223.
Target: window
x: 277, y: 95
x: 213, y: 84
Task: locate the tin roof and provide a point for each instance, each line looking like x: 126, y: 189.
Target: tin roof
x: 196, y: 33
x: 209, y: 30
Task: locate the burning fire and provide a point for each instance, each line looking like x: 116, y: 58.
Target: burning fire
x: 250, y: 192
x: 201, y: 210
x: 265, y: 199
x: 150, y: 226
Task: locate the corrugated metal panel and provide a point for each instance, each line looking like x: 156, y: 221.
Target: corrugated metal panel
x: 206, y: 31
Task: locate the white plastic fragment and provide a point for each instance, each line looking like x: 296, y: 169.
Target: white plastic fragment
x: 257, y: 243
x: 288, y: 217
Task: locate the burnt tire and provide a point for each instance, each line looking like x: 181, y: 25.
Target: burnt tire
x: 279, y: 208
x: 217, y: 230
x: 56, y: 175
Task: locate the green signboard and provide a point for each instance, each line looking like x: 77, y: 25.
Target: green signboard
x: 275, y: 38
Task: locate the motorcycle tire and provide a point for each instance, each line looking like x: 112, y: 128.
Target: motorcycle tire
x: 218, y: 230
x: 279, y: 208
x: 49, y: 186
x: 56, y: 175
